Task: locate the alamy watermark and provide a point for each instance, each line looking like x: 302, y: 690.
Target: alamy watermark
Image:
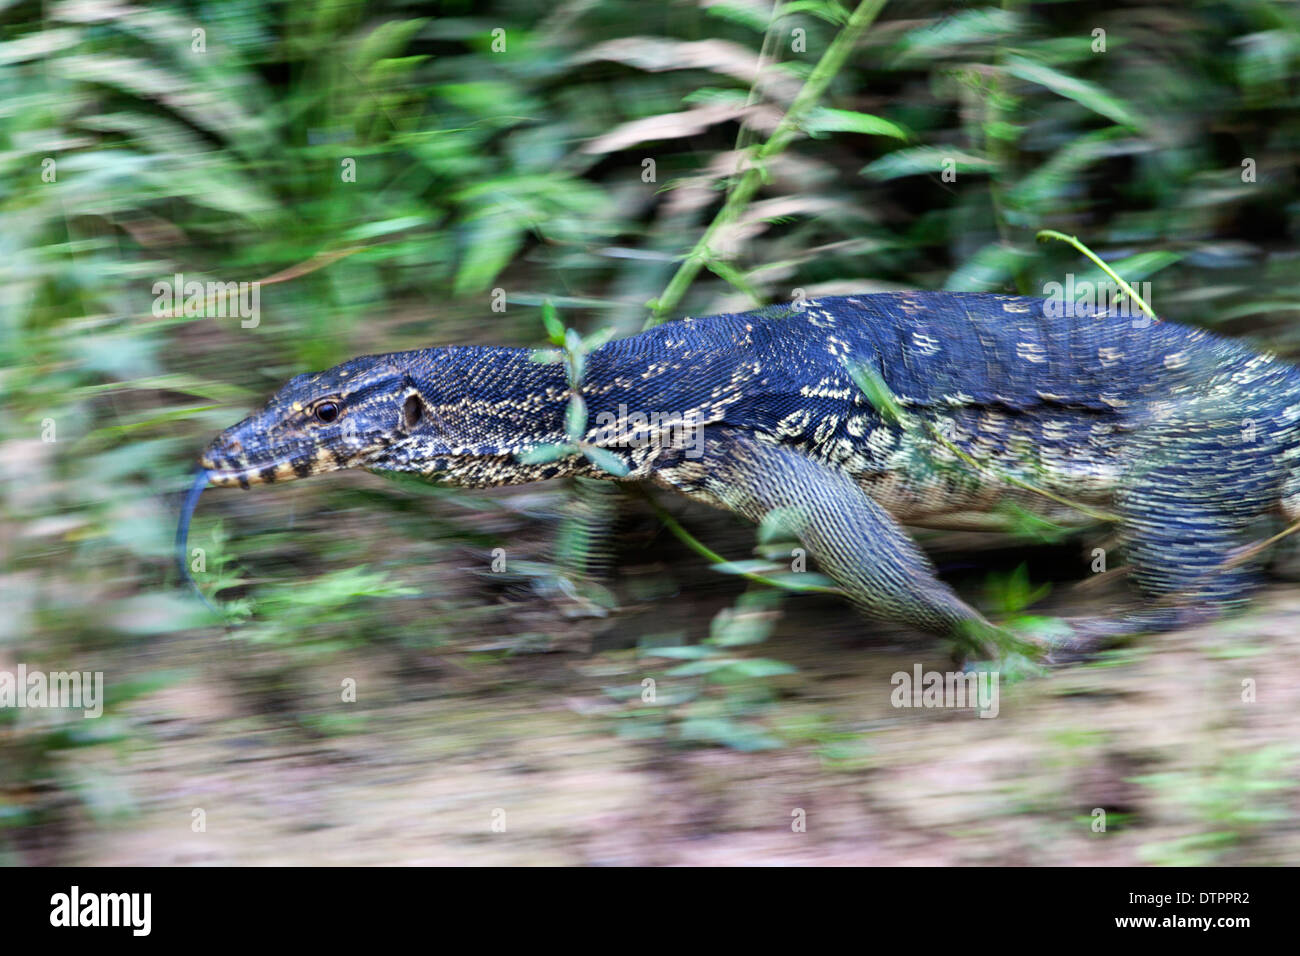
x: 213, y: 300
x: 626, y: 428
x: 960, y: 689
x: 129, y: 910
x: 71, y: 690
x: 1085, y: 298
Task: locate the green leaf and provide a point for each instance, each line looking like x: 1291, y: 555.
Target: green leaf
x: 573, y: 342
x: 729, y: 733
x: 780, y: 524
x: 596, y: 339
x: 551, y: 319
x: 802, y: 581
x: 575, y: 418
x: 1081, y: 91
x: 989, y: 270
x: 960, y: 29
x: 1135, y: 267
x: 387, y: 227
x: 745, y: 567
x: 385, y: 40
x: 696, y: 668
x: 493, y: 241
x: 739, y: 11
x: 822, y: 9
x: 606, y: 460
x: 925, y: 159
x: 544, y: 454
x: 38, y: 45
x: 827, y: 120
x: 1054, y: 178
x: 690, y: 652
x: 760, y: 667
x: 878, y: 393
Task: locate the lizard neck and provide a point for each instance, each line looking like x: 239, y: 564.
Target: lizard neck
x: 484, y: 408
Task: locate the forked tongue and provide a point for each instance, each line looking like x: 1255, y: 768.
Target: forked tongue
x: 183, y: 534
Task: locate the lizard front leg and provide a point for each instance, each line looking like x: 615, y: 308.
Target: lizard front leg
x: 852, y: 538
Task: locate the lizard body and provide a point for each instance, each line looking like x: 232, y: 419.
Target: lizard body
x: 1187, y: 436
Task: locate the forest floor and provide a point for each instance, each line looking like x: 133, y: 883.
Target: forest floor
x: 457, y: 756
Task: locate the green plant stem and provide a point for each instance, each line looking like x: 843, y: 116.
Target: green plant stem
x: 1043, y: 234
x: 888, y: 408
x: 713, y: 557
x: 744, y: 135
x: 746, y: 186
x: 1018, y: 482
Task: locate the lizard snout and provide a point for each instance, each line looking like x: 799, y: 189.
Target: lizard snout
x: 228, y: 462
x: 231, y: 461
x: 224, y: 453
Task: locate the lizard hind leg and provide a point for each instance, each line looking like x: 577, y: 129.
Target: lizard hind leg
x: 851, y: 537
x: 1187, y: 508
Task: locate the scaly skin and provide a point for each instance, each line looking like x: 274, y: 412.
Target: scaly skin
x: 1188, y: 437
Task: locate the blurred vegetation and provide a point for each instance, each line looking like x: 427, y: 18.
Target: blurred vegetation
x: 506, y: 152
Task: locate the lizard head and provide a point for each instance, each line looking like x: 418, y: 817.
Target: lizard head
x: 354, y: 415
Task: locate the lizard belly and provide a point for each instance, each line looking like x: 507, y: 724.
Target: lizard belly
x: 966, y: 483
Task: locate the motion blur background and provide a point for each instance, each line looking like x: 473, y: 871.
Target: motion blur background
x: 388, y: 171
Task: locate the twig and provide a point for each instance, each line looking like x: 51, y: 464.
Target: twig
x: 713, y: 557
x: 318, y: 261
x: 747, y: 185
x: 1074, y: 241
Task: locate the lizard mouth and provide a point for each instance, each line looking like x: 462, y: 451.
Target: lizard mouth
x: 245, y: 477
x: 228, y: 472
x: 232, y: 462
x: 229, y: 475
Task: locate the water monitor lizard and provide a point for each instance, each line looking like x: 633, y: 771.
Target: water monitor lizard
x: 1186, y: 437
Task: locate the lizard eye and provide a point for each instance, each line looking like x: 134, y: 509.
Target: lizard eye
x: 327, y: 411
x: 412, y: 411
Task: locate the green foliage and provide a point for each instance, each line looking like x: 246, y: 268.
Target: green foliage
x: 716, y: 695
x: 870, y: 383
x: 1011, y: 593
x: 1008, y: 596
x: 573, y: 353
x: 75, y: 754
x: 1230, y: 804
x: 127, y: 156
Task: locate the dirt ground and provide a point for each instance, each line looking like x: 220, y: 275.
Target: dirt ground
x: 518, y: 763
